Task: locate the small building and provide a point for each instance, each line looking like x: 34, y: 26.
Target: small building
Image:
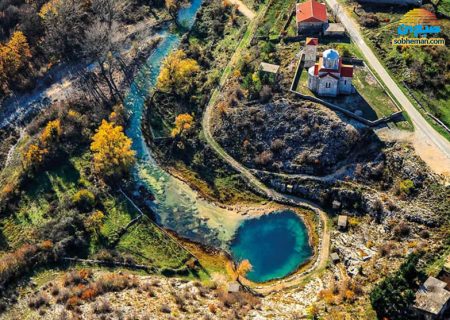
x: 269, y: 68
x: 310, y: 51
x: 336, y: 204
x: 335, y: 258
x: 330, y: 77
x: 311, y: 17
x: 334, y: 30
x: 233, y: 287
x: 432, y: 300
x: 342, y: 222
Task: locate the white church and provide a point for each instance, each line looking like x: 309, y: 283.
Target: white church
x: 329, y: 76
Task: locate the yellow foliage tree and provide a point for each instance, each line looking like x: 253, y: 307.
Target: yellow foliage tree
x: 176, y: 73
x: 112, y: 153
x: 52, y: 132
x: 50, y: 7
x: 14, y: 55
x: 94, y: 221
x: 243, y: 268
x: 34, y: 156
x: 183, y: 122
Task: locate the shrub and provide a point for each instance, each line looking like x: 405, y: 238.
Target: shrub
x: 402, y: 230
x: 84, y: 200
x: 102, y: 306
x: 165, y: 309
x: 277, y: 145
x: 38, y: 301
x: 265, y: 94
x: 406, y: 186
x: 264, y: 158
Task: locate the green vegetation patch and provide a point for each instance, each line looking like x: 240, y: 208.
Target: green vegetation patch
x: 150, y: 245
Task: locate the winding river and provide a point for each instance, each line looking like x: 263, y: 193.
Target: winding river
x: 180, y: 208
x: 177, y: 206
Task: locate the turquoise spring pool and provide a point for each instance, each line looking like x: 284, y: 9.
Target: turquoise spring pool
x: 275, y: 244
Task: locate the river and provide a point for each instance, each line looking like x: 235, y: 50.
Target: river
x: 177, y: 206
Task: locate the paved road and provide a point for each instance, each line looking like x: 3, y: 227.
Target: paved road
x: 429, y: 144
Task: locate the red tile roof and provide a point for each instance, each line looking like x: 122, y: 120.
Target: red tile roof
x: 346, y: 71
x: 329, y: 74
x: 312, y: 41
x: 311, y: 11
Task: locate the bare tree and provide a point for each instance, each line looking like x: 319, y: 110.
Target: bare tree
x: 99, y: 47
x: 64, y: 30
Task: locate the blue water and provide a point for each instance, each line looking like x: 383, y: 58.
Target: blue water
x: 275, y: 244
x: 186, y: 14
x: 175, y: 207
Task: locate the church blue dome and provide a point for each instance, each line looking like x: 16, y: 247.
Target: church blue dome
x: 331, y: 59
x: 330, y: 54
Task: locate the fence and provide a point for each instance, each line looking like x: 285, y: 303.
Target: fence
x: 332, y: 106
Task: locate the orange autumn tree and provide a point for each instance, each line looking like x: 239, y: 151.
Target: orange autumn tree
x: 50, y: 7
x: 34, y: 156
x: 112, y: 153
x: 243, y: 268
x: 183, y: 122
x: 52, y: 132
x: 14, y: 56
x: 176, y: 73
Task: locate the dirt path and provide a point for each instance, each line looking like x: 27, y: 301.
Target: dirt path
x: 243, y: 9
x: 428, y: 143
x: 257, y: 185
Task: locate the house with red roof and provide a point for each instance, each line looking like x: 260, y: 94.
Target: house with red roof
x: 330, y: 76
x: 311, y: 17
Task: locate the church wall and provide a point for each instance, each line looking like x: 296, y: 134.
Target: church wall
x: 322, y: 87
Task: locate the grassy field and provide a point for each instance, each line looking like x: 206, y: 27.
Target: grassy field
x: 144, y: 242
x: 275, y: 18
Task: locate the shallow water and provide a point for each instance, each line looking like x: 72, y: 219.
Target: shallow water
x: 275, y: 244
x: 177, y: 205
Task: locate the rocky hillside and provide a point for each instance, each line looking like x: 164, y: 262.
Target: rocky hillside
x: 290, y: 137
x: 87, y: 294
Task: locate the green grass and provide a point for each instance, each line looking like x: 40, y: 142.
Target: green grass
x: 276, y: 16
x: 368, y: 87
x: 34, y: 207
x: 118, y: 214
x: 444, y: 7
x: 149, y: 245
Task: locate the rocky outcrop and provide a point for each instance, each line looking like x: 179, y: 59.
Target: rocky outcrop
x: 291, y: 137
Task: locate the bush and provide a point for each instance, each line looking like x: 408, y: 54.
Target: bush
x: 406, y: 186
x: 84, y: 200
x: 394, y: 295
x: 264, y: 158
x: 402, y: 230
x: 277, y: 145
x: 102, y: 306
x: 38, y: 301
x: 370, y: 21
